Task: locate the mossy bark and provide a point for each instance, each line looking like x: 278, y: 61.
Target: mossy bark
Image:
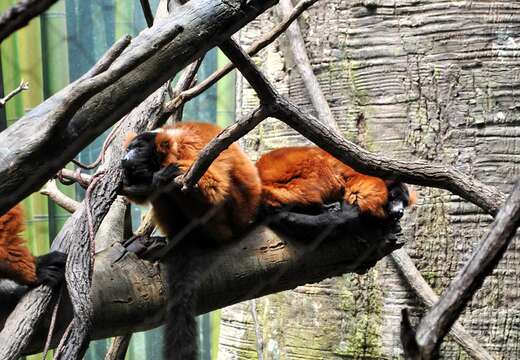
x: 434, y: 80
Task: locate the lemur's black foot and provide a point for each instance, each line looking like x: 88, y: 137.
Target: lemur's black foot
x: 147, y: 247
x: 50, y: 268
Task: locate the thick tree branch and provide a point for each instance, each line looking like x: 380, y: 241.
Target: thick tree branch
x: 439, y: 319
x: 129, y: 294
x: 207, y: 21
x: 20, y: 14
x: 21, y: 323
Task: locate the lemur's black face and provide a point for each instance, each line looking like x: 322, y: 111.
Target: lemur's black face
x: 141, y: 160
x: 398, y: 200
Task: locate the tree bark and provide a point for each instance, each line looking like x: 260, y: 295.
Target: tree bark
x: 129, y: 294
x: 400, y: 82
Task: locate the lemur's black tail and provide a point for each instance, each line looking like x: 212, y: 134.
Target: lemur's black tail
x: 181, y: 341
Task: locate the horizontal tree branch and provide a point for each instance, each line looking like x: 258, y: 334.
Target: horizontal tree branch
x: 129, y: 294
x: 205, y: 23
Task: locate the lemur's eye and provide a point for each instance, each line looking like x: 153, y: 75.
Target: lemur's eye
x: 164, y: 144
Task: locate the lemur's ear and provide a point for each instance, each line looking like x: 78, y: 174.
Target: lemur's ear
x: 412, y: 195
x: 390, y: 182
x: 129, y: 137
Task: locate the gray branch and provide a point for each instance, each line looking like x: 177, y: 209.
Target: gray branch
x: 205, y: 23
x: 426, y: 294
x: 258, y: 45
x: 20, y: 14
x: 129, y: 294
x: 303, y: 64
x: 424, y: 343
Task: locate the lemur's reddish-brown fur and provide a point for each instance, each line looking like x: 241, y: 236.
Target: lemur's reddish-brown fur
x: 309, y: 176
x: 231, y: 185
x: 16, y: 262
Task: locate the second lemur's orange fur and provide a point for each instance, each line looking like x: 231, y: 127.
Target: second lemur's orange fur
x: 309, y: 176
x: 16, y: 262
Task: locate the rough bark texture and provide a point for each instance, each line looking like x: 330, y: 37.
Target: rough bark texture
x: 431, y: 80
x: 129, y: 294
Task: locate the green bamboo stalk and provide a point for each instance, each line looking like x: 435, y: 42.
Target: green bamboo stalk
x: 225, y: 94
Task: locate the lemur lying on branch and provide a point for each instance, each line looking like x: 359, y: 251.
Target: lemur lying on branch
x: 16, y: 261
x: 224, y: 204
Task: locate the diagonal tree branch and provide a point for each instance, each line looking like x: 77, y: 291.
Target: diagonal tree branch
x: 20, y: 14
x: 412, y: 172
x: 255, y: 48
x: 207, y: 21
x: 147, y: 12
x: 426, y: 294
x: 303, y: 64
x: 436, y: 323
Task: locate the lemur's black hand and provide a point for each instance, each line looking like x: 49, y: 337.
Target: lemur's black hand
x: 147, y: 247
x: 50, y: 268
x: 165, y: 176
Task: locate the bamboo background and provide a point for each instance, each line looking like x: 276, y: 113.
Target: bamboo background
x: 57, y: 48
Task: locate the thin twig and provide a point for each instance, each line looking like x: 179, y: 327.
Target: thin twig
x: 174, y: 107
x: 51, y: 190
x: 147, y: 12
x: 253, y: 50
x: 258, y: 332
x: 108, y: 58
x: 52, y: 324
x: 69, y: 177
x: 119, y: 347
x: 24, y: 85
x: 101, y: 158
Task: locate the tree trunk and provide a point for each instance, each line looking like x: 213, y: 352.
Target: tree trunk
x: 433, y: 80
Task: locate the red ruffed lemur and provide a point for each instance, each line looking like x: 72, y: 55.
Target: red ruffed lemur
x: 298, y: 183
x: 218, y: 210
x: 17, y: 263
